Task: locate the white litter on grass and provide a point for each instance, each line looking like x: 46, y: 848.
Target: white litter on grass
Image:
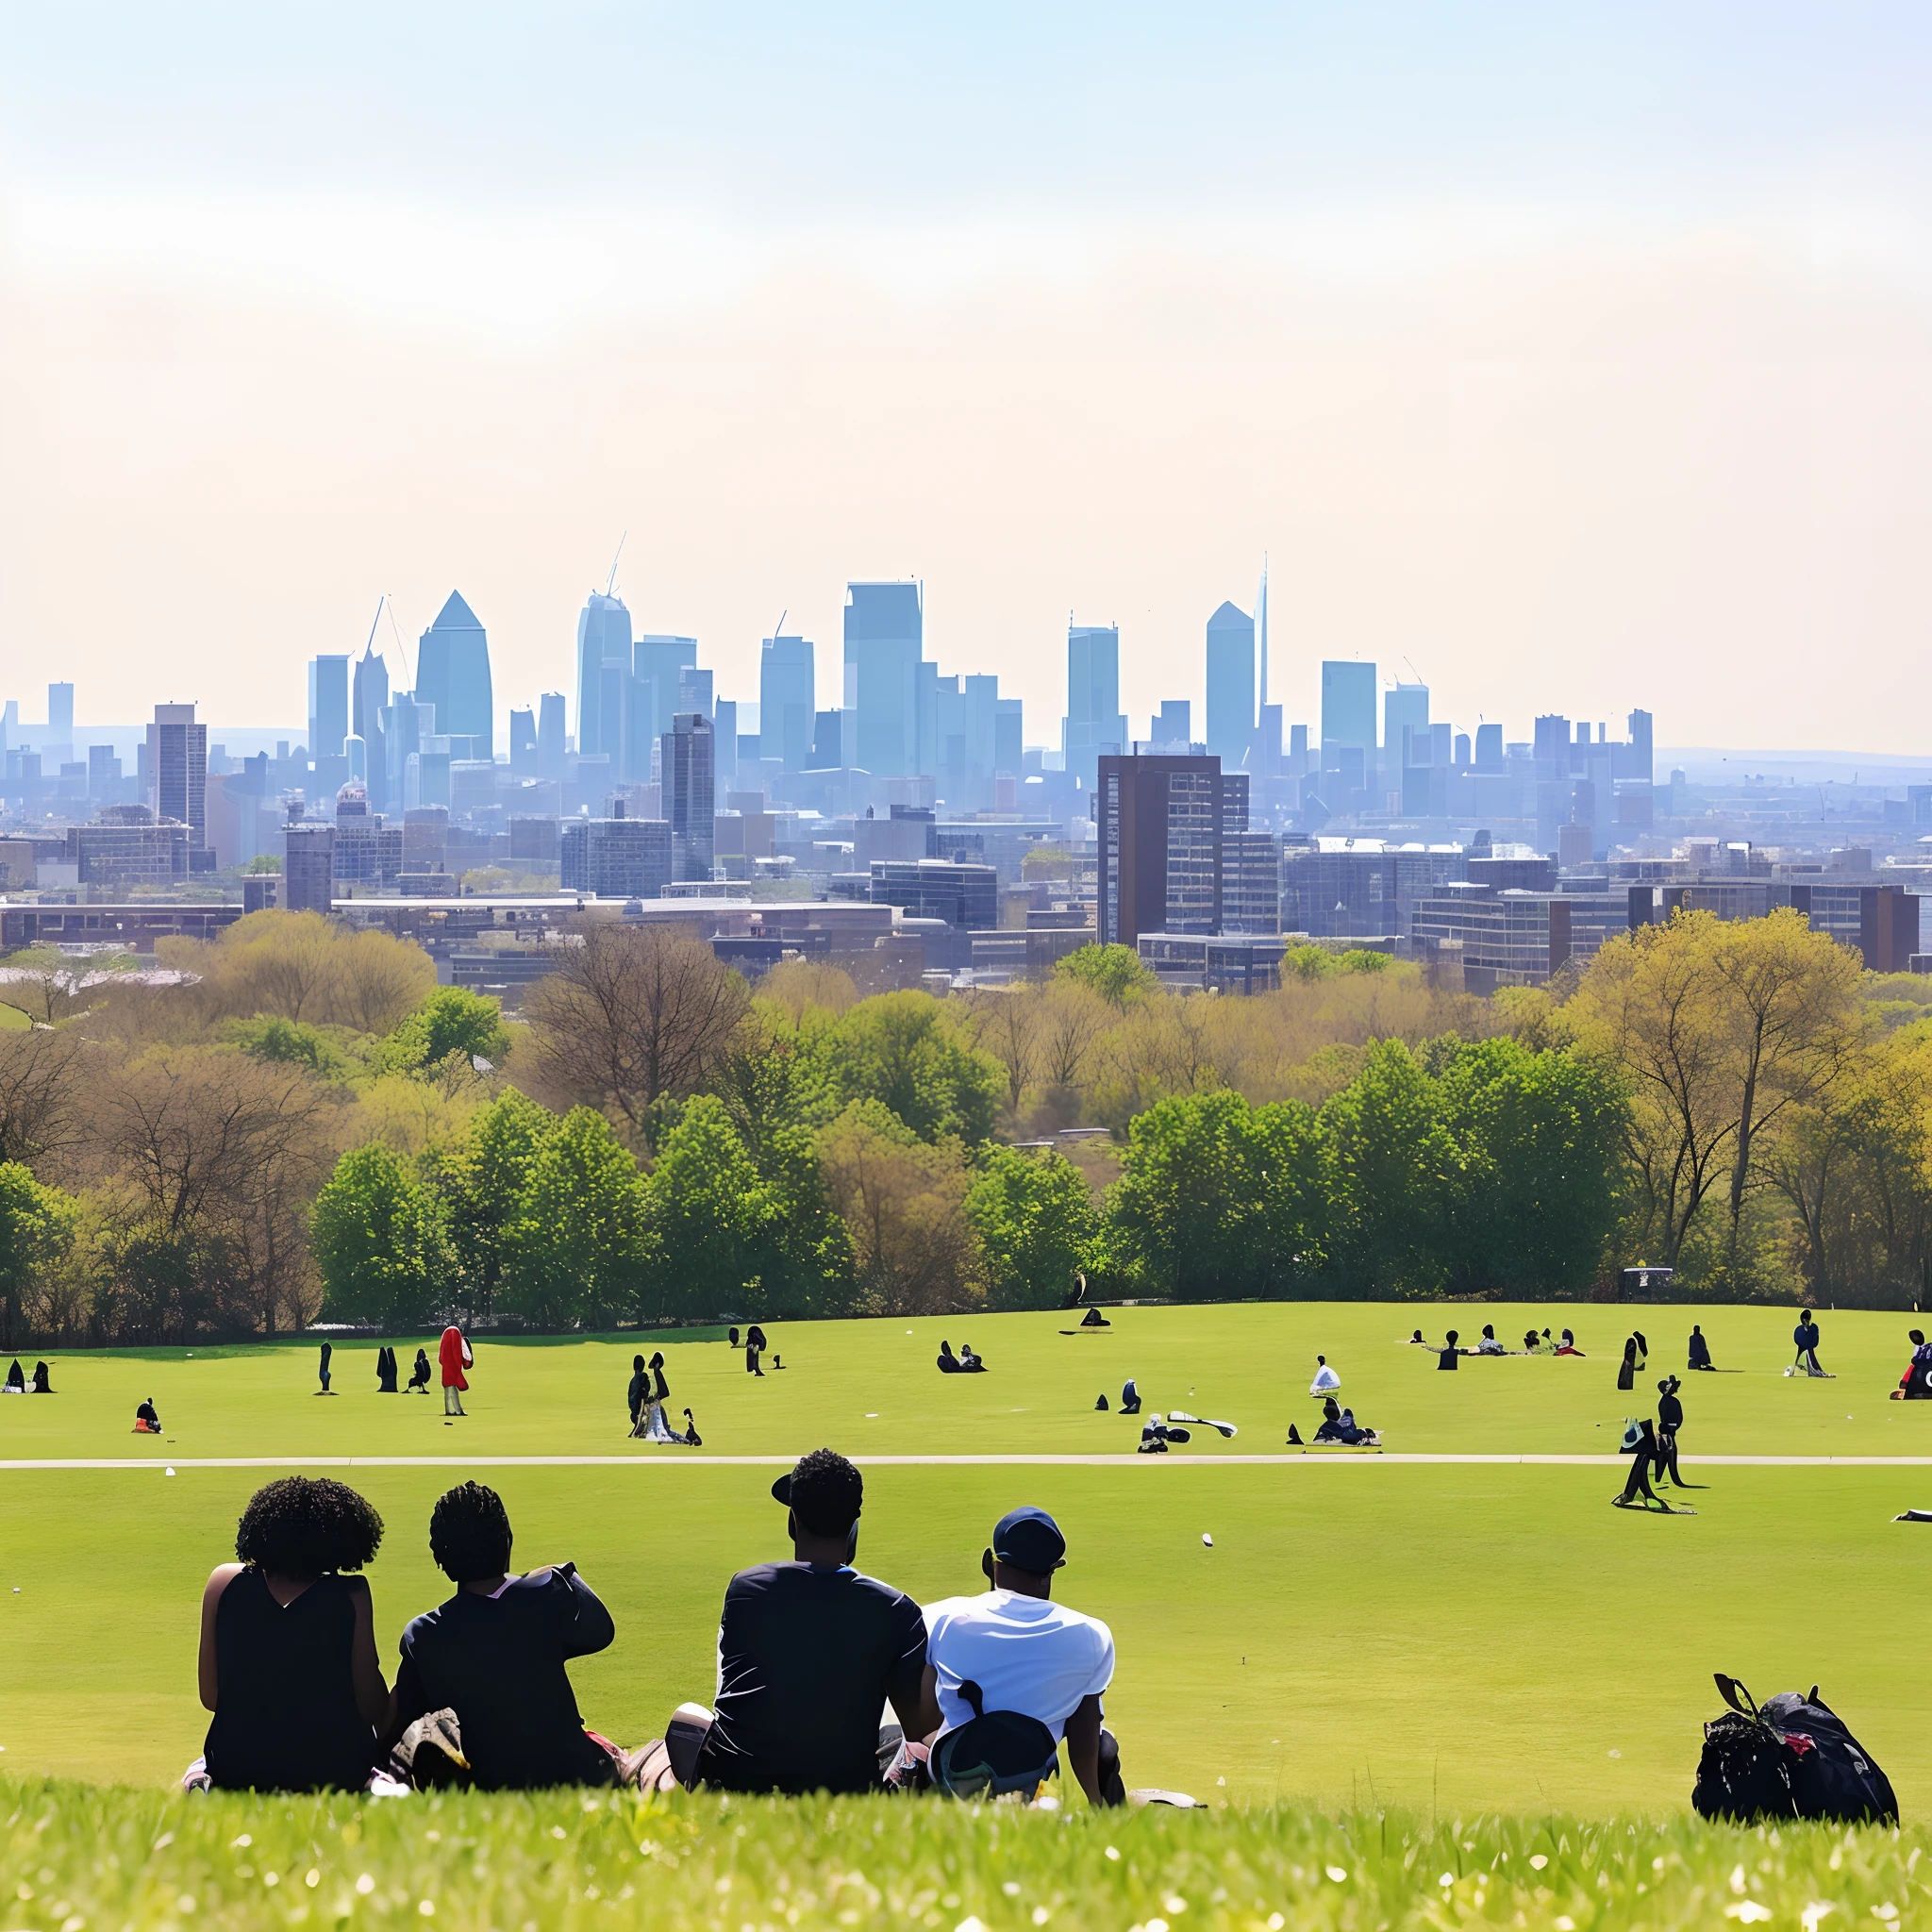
x: 871, y: 1415
x: 171, y: 1469
x: 1206, y: 1539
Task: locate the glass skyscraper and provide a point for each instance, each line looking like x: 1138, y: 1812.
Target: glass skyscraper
x: 1230, y: 685
x: 885, y: 640
x: 788, y: 702
x: 453, y: 673
x: 1094, y: 725
x: 603, y: 665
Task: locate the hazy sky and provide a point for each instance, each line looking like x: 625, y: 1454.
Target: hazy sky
x: 1576, y: 357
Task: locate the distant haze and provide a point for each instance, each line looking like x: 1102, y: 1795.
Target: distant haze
x: 1576, y: 364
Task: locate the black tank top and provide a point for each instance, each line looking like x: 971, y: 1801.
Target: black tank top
x: 286, y: 1717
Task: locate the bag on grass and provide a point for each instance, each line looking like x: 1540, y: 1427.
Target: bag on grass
x: 1793, y: 1757
x: 994, y: 1752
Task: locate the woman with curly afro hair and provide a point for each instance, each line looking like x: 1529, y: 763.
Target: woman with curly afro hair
x: 288, y: 1644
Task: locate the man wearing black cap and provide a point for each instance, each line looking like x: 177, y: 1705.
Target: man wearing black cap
x: 1026, y: 1652
x: 808, y: 1654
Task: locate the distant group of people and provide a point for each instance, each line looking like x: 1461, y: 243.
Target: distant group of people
x: 17, y: 1383
x: 1450, y: 1354
x: 755, y: 1347
x: 964, y: 1363
x: 1653, y: 1449
x: 1915, y: 1385
x: 810, y: 1651
x: 648, y: 1393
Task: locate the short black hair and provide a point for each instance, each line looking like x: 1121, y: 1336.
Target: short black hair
x: 470, y: 1533
x: 826, y: 1493
x: 305, y: 1526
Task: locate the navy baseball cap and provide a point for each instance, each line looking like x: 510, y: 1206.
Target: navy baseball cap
x: 1029, y: 1539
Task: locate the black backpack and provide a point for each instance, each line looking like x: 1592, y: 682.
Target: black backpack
x: 1793, y: 1759
x: 993, y: 1751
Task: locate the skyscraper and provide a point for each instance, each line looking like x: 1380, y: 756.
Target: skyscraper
x: 453, y: 673
x: 690, y: 792
x: 1230, y: 684
x: 885, y: 640
x: 551, y: 736
x: 1404, y: 731
x: 368, y: 700
x: 60, y: 714
x: 1160, y: 844
x: 177, y: 761
x: 523, y: 744
x: 328, y: 705
x: 1093, y: 724
x: 1348, y: 709
x: 658, y: 663
x: 788, y: 702
x: 603, y: 654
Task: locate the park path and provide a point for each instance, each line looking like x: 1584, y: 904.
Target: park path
x: 1040, y: 1461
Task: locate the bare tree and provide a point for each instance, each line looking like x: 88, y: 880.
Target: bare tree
x: 904, y: 1205
x: 41, y: 1112
x: 1006, y: 1024
x: 633, y: 1013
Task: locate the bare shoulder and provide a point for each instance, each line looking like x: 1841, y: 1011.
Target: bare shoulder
x: 218, y: 1579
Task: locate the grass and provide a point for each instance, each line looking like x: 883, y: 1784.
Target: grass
x: 76, y: 1857
x: 1438, y: 1638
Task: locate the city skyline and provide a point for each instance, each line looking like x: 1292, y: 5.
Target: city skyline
x: 1513, y: 367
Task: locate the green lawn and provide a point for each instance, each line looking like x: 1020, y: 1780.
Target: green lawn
x: 1441, y: 1636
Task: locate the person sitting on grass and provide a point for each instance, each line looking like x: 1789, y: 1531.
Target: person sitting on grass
x: 948, y: 1361
x: 809, y: 1653
x: 494, y: 1655
x: 1567, y: 1345
x: 42, y: 1382
x: 1094, y: 1319
x: 970, y: 1364
x: 1130, y: 1397
x: 147, y: 1421
x: 1325, y: 1377
x: 1489, y: 1344
x: 1020, y: 1650
x: 639, y: 1390
x: 16, y: 1380
x: 1805, y: 1338
x: 1448, y: 1358
x: 1915, y: 1385
x: 1700, y: 1350
x: 419, y: 1375
x: 385, y: 1371
x: 1416, y: 1340
x: 288, y: 1645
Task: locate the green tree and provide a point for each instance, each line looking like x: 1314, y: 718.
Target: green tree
x: 903, y: 1050
x: 288, y: 1043
x: 379, y: 1242
x: 573, y: 1252
x: 1218, y: 1199
x: 451, y: 1021
x: 1540, y: 1137
x: 36, y: 1221
x: 1115, y: 973
x: 481, y: 1181
x: 1036, y: 1225
x: 1395, y: 1177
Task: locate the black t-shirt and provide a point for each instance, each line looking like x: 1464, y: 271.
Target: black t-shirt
x: 806, y: 1658
x: 499, y: 1662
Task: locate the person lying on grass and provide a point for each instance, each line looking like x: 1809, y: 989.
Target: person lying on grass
x: 494, y: 1655
x: 1023, y: 1652
x: 809, y: 1652
x: 288, y: 1658
x: 1915, y: 1385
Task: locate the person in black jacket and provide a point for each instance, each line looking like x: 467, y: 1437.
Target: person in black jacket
x: 1700, y: 1351
x: 754, y: 1345
x: 1805, y: 1336
x: 1446, y: 1359
x: 493, y: 1656
x: 322, y: 1371
x: 1642, y: 1454
x: 419, y: 1376
x: 1670, y: 1419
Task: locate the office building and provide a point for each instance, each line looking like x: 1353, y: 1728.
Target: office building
x: 453, y: 675
x: 1226, y: 963
x: 406, y: 727
x: 177, y: 767
x: 1513, y: 938
x: 368, y: 702
x: 127, y: 846
x: 308, y: 867
x: 1095, y: 726
x: 660, y: 664
x: 1250, y: 882
x: 788, y: 702
x: 1361, y: 888
x: 523, y: 744
x: 690, y: 792
x: 1230, y: 686
x: 1160, y: 822
x: 885, y: 634
x: 328, y: 704
x: 60, y: 714
x: 616, y: 858
x: 552, y: 743
x: 1348, y: 711
x: 964, y: 895
x: 1405, y: 735
x: 604, y: 667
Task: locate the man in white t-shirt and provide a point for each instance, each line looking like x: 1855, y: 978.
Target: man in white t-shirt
x: 1026, y: 1653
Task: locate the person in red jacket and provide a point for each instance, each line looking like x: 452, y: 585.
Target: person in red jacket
x: 454, y: 1355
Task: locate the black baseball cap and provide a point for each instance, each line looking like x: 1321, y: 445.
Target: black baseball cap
x: 1029, y: 1539
x: 823, y: 1491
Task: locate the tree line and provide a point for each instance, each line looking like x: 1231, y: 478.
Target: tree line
x: 303, y: 1123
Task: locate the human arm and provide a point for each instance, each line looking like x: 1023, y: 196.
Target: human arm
x: 1083, y: 1745
x: 207, y: 1679
x: 911, y: 1687
x: 365, y: 1668
x: 408, y: 1701
x: 583, y: 1625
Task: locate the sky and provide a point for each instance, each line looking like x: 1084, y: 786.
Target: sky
x: 1568, y: 356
